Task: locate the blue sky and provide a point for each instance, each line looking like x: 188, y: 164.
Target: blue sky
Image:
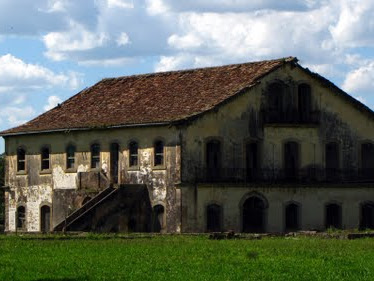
x: 51, y: 49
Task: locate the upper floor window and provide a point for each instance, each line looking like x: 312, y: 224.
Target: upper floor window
x: 95, y: 156
x: 45, y: 158
x: 21, y: 159
x: 275, y: 99
x: 304, y: 102
x: 70, y: 156
x: 133, y: 154
x: 158, y: 153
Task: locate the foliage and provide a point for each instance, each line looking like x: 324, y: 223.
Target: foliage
x: 169, y: 257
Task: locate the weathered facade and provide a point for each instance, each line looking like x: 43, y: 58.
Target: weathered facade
x: 258, y: 147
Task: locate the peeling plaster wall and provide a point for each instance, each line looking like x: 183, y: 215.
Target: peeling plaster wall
x: 61, y: 188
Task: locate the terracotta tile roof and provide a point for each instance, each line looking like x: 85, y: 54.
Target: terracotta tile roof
x: 150, y: 98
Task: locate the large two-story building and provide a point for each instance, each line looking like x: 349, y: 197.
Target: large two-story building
x: 266, y: 146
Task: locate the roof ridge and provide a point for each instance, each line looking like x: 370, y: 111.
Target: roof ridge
x: 161, y: 73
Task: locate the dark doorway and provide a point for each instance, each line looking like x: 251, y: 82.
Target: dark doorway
x: 304, y: 99
x: 291, y: 160
x: 114, y: 155
x: 367, y: 160
x: 292, y: 217
x: 254, y: 209
x: 333, y: 216
x: 332, y: 161
x: 213, y: 159
x: 252, y: 161
x: 367, y: 216
x: 45, y: 219
x: 214, y: 218
x: 158, y: 218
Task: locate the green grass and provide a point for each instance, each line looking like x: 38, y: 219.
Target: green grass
x: 185, y: 258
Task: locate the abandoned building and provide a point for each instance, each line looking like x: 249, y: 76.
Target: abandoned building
x: 267, y: 146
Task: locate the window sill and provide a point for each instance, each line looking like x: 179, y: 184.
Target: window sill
x: 70, y: 170
x: 21, y: 173
x: 159, y: 168
x: 133, y: 168
x: 45, y: 172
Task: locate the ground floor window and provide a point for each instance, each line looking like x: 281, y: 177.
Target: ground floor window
x: 214, y: 218
x: 292, y: 217
x: 45, y: 218
x: 333, y: 216
x: 367, y: 216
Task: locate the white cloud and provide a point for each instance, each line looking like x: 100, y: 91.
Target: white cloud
x: 77, y: 38
x: 120, y: 4
x: 171, y: 63
x: 15, y: 74
x: 360, y: 80
x: 155, y: 7
x: 16, y: 115
x: 123, y: 39
x: 52, y: 102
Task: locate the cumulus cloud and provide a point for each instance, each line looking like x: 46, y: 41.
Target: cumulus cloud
x: 123, y: 39
x: 52, y: 102
x: 17, y: 75
x: 360, y: 80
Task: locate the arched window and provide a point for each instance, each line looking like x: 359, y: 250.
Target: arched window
x: 367, y: 216
x: 333, y: 216
x: 133, y: 154
x: 45, y: 219
x: 158, y: 218
x: 159, y: 153
x: 292, y: 217
x: 45, y: 154
x: 254, y: 214
x: 95, y: 156
x: 21, y: 217
x: 367, y: 160
x: 304, y: 98
x: 291, y: 160
x: 213, y: 159
x: 70, y: 157
x: 213, y: 218
x: 21, y: 159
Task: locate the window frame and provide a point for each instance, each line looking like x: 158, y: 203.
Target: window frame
x: 95, y: 158
x: 132, y: 155
x: 44, y: 160
x: 23, y: 161
x: 69, y: 157
x: 158, y: 154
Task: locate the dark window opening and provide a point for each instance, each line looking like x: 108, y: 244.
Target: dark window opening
x: 114, y: 156
x: 332, y: 160
x: 70, y: 157
x: 213, y: 159
x: 333, y: 216
x: 95, y: 156
x: 275, y: 102
x: 252, y: 161
x: 45, y: 158
x: 292, y: 217
x: 254, y: 215
x: 214, y: 218
x: 304, y: 98
x: 133, y: 151
x: 21, y: 217
x: 159, y: 153
x: 291, y: 160
x: 367, y: 160
x: 45, y: 218
x: 158, y: 218
x: 21, y: 159
x: 367, y: 216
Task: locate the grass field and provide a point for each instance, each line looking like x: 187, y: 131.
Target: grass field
x: 185, y: 258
